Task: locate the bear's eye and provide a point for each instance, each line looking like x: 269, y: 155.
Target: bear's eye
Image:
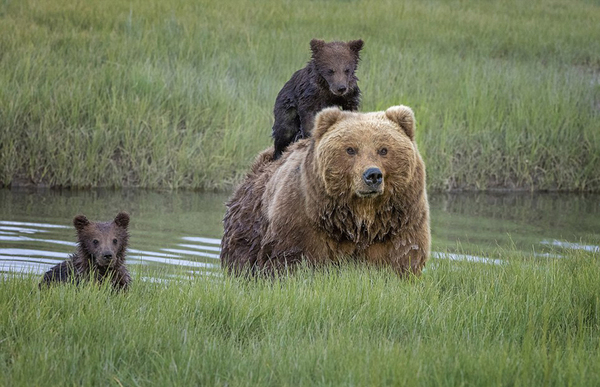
x: 115, y: 241
x: 382, y: 152
x: 95, y: 242
x: 351, y: 151
x: 330, y: 71
x: 347, y: 71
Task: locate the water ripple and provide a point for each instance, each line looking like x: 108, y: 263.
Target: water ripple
x: 42, y: 225
x: 24, y: 252
x: 213, y: 241
x: 571, y: 245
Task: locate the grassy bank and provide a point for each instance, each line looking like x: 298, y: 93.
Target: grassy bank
x: 528, y: 322
x: 179, y: 93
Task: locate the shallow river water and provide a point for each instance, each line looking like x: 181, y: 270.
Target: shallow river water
x: 178, y: 233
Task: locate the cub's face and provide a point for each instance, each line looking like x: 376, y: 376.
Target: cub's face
x: 104, y: 242
x: 336, y: 63
x: 365, y: 155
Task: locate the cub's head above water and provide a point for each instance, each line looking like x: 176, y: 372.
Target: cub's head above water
x: 104, y: 243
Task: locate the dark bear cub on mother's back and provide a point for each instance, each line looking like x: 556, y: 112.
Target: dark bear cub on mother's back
x: 327, y: 80
x: 100, y: 254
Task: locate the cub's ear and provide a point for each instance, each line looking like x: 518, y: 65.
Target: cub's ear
x: 403, y: 116
x: 80, y: 222
x: 325, y: 120
x: 316, y: 45
x: 356, y: 45
x: 122, y: 220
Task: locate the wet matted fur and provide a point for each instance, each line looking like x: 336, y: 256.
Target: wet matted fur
x: 354, y: 190
x: 328, y: 80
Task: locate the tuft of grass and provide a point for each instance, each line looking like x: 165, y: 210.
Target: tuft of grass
x: 179, y: 93
x: 525, y: 322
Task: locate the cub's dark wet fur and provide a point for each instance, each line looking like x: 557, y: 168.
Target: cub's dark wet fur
x: 327, y: 80
x: 100, y: 254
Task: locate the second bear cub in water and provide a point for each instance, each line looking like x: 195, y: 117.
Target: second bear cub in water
x: 100, y: 254
x: 327, y: 80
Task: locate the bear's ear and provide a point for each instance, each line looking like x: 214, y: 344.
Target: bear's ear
x: 80, y: 222
x: 356, y: 45
x: 122, y: 220
x: 316, y: 45
x: 325, y: 120
x: 403, y: 116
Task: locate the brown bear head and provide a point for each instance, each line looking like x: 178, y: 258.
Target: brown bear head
x: 366, y: 156
x: 336, y: 64
x: 103, y: 242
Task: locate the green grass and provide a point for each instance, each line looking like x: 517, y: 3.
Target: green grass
x: 527, y: 322
x: 179, y: 93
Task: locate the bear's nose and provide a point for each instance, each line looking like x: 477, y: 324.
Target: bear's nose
x: 373, y: 177
x: 107, y: 255
x: 341, y: 89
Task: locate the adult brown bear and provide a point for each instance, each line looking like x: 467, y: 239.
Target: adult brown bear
x: 354, y: 190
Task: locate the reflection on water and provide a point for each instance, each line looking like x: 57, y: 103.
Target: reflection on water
x: 177, y: 234
x: 541, y: 225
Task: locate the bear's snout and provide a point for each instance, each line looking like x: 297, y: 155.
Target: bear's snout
x: 108, y: 255
x: 373, y: 177
x: 371, y: 183
x: 339, y: 89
